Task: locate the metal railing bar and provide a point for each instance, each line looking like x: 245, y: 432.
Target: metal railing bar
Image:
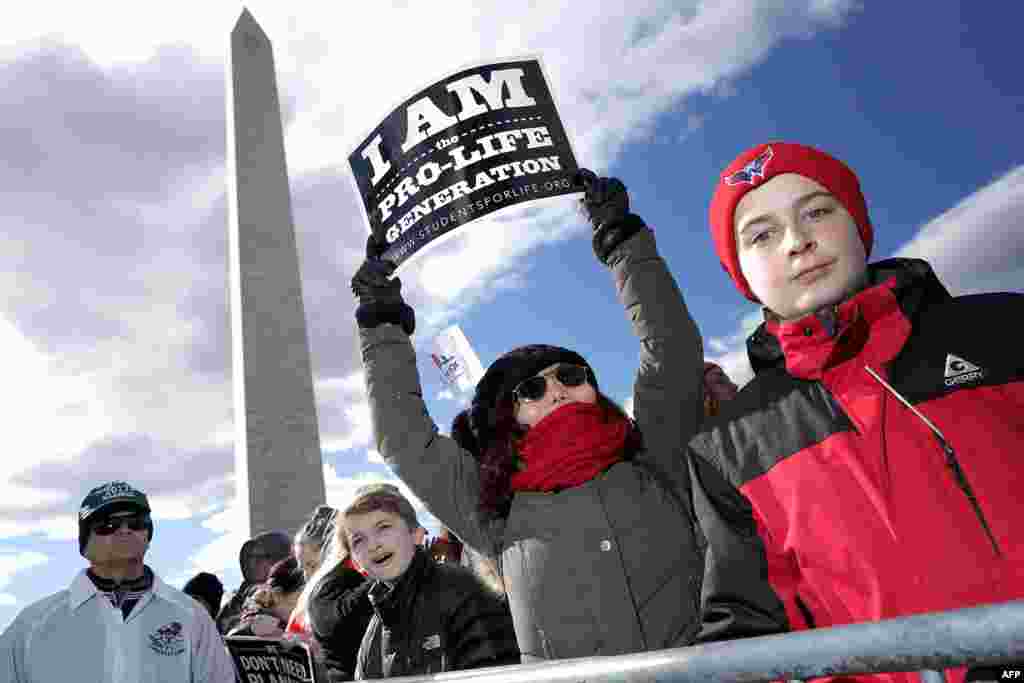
x: 985, y: 635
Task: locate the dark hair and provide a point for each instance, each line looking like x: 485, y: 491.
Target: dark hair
x: 286, y: 576
x: 317, y: 531
x: 208, y: 587
x: 499, y: 460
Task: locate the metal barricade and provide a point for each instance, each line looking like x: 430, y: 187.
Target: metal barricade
x: 974, y: 636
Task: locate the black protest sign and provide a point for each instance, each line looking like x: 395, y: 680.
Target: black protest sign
x: 269, y: 660
x: 482, y: 139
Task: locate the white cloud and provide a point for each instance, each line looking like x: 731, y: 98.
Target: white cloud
x: 976, y: 246
x: 219, y: 557
x: 352, y: 383
x: 361, y: 434
x: 344, y: 412
x: 140, y: 345
x: 46, y: 396
x: 12, y: 564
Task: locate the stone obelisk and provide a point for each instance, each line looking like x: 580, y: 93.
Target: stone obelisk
x: 278, y: 464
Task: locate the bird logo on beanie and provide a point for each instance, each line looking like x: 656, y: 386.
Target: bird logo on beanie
x: 755, y: 169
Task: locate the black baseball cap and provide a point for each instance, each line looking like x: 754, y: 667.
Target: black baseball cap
x: 105, y: 499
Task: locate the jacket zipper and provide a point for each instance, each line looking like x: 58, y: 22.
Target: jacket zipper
x: 951, y: 460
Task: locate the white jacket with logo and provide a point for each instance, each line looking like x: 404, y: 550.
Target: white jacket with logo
x: 77, y: 635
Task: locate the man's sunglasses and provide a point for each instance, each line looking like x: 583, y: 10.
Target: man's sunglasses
x: 112, y: 524
x: 534, y: 388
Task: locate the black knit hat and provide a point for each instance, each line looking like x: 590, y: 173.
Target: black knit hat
x: 108, y: 498
x: 208, y: 587
x: 501, y: 379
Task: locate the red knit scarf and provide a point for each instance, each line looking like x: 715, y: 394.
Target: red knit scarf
x: 570, y: 446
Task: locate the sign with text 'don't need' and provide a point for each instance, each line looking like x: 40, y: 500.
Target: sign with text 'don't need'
x: 485, y: 138
x: 270, y: 660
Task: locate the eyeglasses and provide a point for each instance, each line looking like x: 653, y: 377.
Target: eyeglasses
x: 112, y: 524
x: 534, y: 388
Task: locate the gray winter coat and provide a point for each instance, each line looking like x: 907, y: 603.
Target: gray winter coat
x: 605, y: 568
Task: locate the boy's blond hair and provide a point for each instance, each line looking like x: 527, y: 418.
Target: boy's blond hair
x: 374, y: 497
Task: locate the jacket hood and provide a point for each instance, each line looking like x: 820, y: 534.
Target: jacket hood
x: 276, y: 545
x: 912, y: 282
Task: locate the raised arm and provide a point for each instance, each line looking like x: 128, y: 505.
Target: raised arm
x: 441, y: 474
x: 667, y: 394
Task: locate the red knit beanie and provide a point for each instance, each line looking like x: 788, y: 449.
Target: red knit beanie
x: 756, y: 166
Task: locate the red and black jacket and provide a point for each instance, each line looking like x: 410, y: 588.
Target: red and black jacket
x: 873, y: 468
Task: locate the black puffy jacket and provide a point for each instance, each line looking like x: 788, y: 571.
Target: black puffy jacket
x: 339, y: 612
x: 435, y: 618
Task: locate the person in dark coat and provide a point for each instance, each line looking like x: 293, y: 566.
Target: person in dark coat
x: 872, y: 468
x: 255, y: 558
x: 338, y: 612
x: 266, y: 612
x: 429, y: 617
x: 584, y: 512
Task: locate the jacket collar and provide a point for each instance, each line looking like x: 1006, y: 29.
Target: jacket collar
x: 897, y: 290
x: 83, y: 589
x: 386, y: 597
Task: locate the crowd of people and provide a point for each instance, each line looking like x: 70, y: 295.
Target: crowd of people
x: 871, y: 469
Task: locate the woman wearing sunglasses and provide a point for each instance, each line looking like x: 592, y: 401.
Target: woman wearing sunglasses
x: 583, y: 511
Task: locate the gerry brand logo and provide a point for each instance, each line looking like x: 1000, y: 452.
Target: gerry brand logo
x: 960, y: 371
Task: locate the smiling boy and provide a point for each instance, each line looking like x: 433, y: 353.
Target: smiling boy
x: 428, y: 617
x: 871, y: 469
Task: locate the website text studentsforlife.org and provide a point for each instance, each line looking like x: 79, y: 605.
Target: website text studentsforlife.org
x: 483, y: 139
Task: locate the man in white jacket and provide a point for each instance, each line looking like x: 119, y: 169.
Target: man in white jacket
x: 117, y: 622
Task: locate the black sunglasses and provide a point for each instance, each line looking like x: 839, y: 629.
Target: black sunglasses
x: 534, y: 388
x: 112, y: 524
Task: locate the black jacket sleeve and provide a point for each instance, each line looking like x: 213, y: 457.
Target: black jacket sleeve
x: 231, y: 613
x: 737, y: 601
x: 339, y: 612
x: 480, y: 631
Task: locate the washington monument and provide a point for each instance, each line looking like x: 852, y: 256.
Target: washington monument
x: 278, y: 464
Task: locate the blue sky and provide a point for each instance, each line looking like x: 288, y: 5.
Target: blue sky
x: 113, y: 318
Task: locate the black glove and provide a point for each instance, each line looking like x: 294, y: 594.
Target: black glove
x: 606, y: 205
x: 379, y: 294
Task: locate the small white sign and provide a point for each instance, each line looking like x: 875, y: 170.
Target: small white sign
x: 458, y: 363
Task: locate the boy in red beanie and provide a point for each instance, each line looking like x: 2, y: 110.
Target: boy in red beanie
x: 872, y: 468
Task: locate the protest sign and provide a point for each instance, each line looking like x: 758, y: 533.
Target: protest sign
x: 270, y: 660
x: 455, y: 358
x: 485, y: 138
